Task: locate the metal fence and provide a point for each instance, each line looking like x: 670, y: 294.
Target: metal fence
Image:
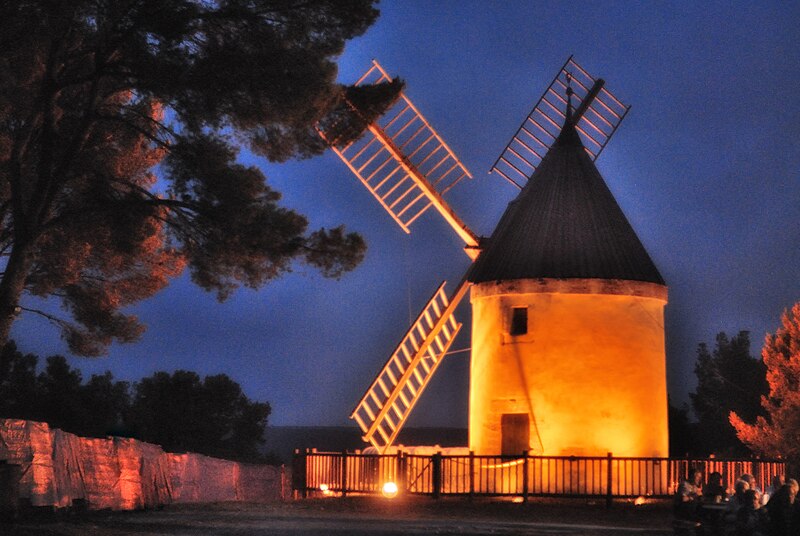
x: 609, y: 477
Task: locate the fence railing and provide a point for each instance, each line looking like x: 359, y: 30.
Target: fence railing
x: 608, y: 477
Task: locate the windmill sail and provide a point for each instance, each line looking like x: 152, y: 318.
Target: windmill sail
x: 598, y: 114
x: 388, y: 402
x: 407, y: 167
x: 405, y: 164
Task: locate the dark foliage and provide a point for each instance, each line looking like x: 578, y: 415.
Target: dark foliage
x: 178, y: 411
x: 18, y: 383
x: 95, y: 93
x: 184, y: 414
x: 360, y: 107
x: 729, y: 379
x: 59, y: 396
x: 682, y: 432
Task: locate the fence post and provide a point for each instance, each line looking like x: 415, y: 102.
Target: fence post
x: 437, y: 475
x: 283, y: 483
x: 299, y: 482
x: 401, y: 472
x: 471, y: 474
x: 304, y: 474
x: 524, y: 476
x: 757, y: 473
x: 609, y: 496
x: 344, y: 473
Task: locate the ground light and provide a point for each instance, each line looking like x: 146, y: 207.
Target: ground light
x: 389, y: 490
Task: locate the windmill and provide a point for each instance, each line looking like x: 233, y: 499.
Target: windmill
x: 408, y: 168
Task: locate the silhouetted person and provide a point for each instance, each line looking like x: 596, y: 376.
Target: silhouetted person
x: 737, y: 500
x: 714, y: 491
x: 775, y: 485
x: 751, y: 519
x: 781, y: 510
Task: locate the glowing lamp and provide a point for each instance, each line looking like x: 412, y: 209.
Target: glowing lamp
x: 389, y: 490
x: 639, y: 501
x: 518, y: 500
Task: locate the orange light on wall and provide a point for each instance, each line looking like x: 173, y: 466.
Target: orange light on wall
x: 585, y: 375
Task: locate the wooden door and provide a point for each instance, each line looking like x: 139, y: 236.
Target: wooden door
x: 515, y: 432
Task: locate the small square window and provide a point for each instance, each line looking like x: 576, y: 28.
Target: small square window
x: 519, y: 321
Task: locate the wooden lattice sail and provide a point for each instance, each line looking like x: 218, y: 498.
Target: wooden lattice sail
x: 404, y: 163
x: 388, y: 402
x: 598, y: 114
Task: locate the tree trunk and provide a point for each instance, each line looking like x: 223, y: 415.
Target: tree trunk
x: 11, y: 287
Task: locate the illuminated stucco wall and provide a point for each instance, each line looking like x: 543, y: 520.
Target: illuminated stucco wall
x: 59, y: 469
x: 590, y: 372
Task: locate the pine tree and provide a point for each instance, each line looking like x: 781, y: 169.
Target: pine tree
x: 728, y: 379
x: 777, y: 433
x: 212, y: 416
x: 94, y: 94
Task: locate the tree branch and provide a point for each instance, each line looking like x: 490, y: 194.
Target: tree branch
x: 138, y: 129
x: 54, y: 319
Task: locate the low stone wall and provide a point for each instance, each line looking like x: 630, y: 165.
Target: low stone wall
x: 59, y: 469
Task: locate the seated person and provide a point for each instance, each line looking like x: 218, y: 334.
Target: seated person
x: 737, y: 500
x: 781, y: 510
x: 751, y: 481
x: 714, y: 491
x: 751, y: 519
x: 777, y: 482
x: 688, y: 496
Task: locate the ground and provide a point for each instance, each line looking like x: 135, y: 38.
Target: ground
x: 361, y: 516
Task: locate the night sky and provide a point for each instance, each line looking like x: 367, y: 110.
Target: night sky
x: 706, y: 166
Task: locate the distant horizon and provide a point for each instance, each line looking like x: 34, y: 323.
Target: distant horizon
x: 282, y: 441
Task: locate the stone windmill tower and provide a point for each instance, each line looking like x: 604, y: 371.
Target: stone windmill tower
x: 567, y: 326
x: 567, y: 322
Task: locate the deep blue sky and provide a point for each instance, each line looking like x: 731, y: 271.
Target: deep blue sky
x: 706, y: 166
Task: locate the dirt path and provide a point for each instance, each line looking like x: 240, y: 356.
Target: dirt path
x: 361, y: 517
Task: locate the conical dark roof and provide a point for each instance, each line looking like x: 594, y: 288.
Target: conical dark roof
x: 564, y: 224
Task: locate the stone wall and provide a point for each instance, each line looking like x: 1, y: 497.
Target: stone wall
x: 59, y: 469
